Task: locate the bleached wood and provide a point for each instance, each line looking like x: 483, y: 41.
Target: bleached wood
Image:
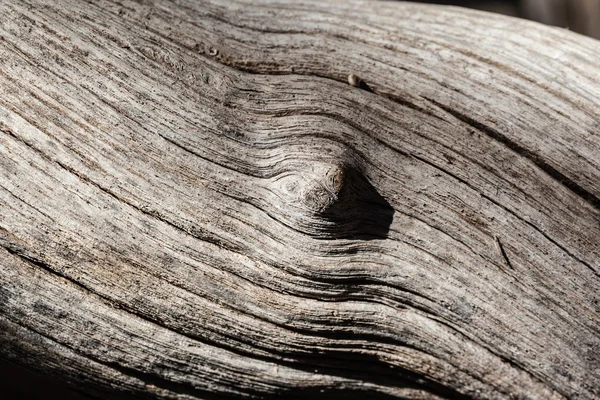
x: 198, y: 200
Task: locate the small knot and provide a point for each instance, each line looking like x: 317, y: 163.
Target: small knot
x: 356, y: 81
x: 322, y: 187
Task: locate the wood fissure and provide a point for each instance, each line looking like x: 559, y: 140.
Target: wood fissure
x: 534, y: 158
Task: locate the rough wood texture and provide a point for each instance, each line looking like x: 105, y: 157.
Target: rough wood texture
x: 195, y: 203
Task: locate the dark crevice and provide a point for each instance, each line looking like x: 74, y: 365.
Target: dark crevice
x: 402, y: 101
x: 25, y: 202
x: 522, y: 151
x: 554, y: 242
x: 30, y: 259
x: 503, y: 252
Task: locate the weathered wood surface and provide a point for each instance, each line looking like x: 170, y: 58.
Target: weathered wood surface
x: 194, y: 202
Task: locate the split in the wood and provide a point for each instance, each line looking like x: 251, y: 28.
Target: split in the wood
x: 503, y: 252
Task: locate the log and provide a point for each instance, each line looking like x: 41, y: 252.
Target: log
x: 259, y: 199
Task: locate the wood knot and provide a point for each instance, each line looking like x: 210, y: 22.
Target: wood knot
x: 331, y: 201
x: 320, y: 187
x: 313, y: 188
x: 356, y: 81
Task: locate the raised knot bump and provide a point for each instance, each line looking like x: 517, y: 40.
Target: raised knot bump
x: 321, y: 187
x: 330, y: 200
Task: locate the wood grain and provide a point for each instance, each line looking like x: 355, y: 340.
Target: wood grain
x: 195, y: 203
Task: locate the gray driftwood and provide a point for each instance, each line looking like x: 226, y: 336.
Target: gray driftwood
x: 196, y: 203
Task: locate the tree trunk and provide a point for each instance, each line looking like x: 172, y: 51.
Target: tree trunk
x: 327, y: 199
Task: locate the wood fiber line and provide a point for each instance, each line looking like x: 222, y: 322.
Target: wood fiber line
x: 272, y: 199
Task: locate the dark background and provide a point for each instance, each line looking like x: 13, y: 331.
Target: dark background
x: 17, y: 383
x: 581, y: 16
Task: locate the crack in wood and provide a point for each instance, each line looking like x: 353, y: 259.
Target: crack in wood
x: 542, y: 164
